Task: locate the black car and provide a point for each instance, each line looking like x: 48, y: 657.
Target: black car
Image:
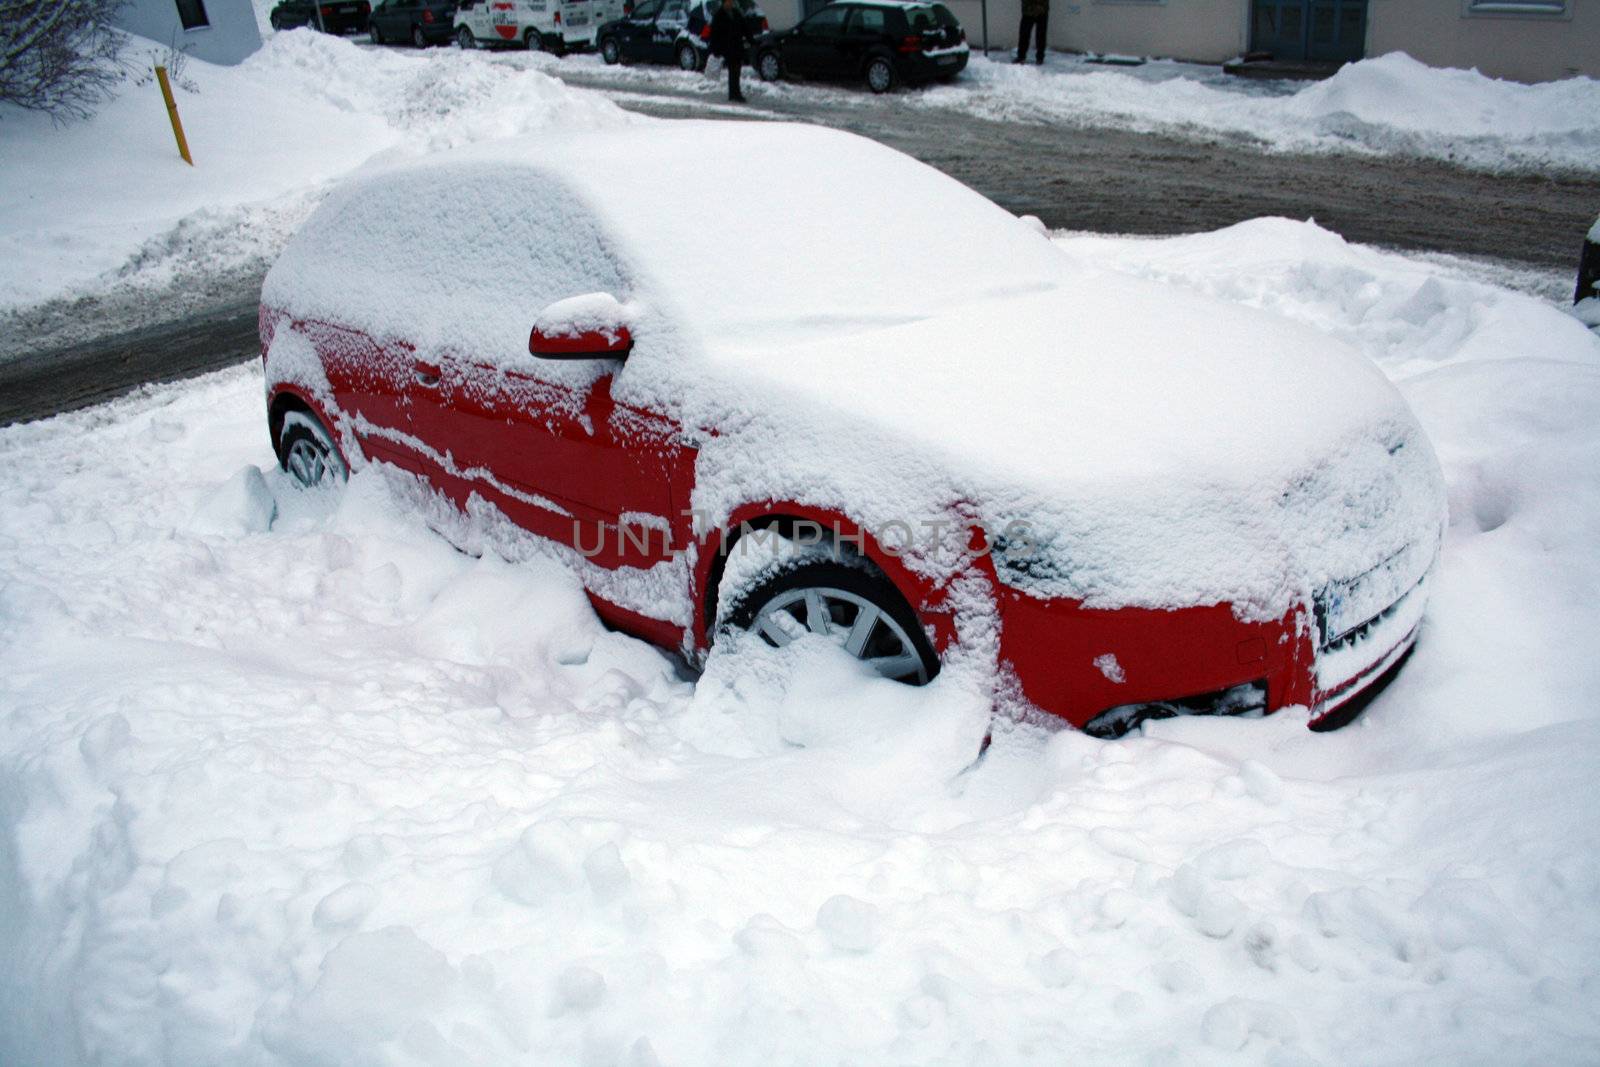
x: 885, y: 43
x: 670, y: 31
x: 422, y: 22
x: 336, y: 16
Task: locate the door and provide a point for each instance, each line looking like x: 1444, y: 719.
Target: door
x: 1324, y: 31
x: 673, y: 20
x: 633, y: 37
x: 813, y: 49
x: 560, y: 461
x: 865, y: 29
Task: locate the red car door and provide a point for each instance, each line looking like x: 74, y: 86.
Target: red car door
x: 563, y: 462
x: 371, y: 383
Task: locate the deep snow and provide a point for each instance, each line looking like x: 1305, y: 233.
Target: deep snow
x: 284, y: 779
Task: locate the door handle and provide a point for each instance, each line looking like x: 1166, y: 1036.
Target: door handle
x: 425, y: 376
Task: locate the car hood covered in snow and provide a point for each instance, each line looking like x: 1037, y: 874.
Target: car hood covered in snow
x: 858, y: 330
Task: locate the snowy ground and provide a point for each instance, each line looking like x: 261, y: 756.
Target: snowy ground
x: 285, y: 779
x: 106, y: 207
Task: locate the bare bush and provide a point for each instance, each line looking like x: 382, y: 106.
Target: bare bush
x: 58, y: 56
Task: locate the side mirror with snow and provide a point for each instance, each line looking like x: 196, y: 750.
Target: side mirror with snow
x: 592, y: 326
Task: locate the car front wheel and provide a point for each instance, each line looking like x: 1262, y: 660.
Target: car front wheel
x: 465, y: 39
x: 609, y: 51
x: 688, y: 57
x: 880, y: 75
x: 848, y: 603
x: 769, y: 67
x: 417, y: 39
x: 375, y: 33
x: 306, y: 451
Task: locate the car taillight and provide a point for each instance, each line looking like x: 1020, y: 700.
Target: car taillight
x: 427, y: 15
x: 909, y: 44
x: 327, y: 11
x: 558, y: 18
x: 765, y: 25
x: 705, y: 32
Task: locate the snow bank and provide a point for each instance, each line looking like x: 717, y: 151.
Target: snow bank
x: 1391, y: 104
x: 108, y: 201
x: 332, y: 792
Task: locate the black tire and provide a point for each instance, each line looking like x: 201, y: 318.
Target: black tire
x: 375, y: 32
x: 769, y: 66
x: 610, y: 51
x: 418, y: 40
x: 880, y: 74
x: 689, y: 57
x: 465, y: 40
x: 277, y: 23
x: 532, y: 41
x: 306, y: 452
x: 851, y: 577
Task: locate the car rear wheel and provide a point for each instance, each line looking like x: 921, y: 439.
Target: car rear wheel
x: 417, y: 39
x: 880, y: 74
x: 532, y: 41
x: 689, y: 57
x: 609, y: 51
x: 277, y: 23
x: 769, y: 66
x: 306, y: 451
x: 851, y: 605
x: 465, y: 39
x: 375, y: 33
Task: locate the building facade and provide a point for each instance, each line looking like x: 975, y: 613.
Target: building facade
x: 1527, y: 40
x: 216, y: 31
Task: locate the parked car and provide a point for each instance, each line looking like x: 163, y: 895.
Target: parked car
x: 1586, y: 298
x: 883, y: 42
x: 552, y: 25
x: 671, y: 31
x: 421, y: 22
x: 899, y: 419
x: 337, y: 16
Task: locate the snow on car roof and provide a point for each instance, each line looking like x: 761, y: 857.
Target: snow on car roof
x: 886, y: 340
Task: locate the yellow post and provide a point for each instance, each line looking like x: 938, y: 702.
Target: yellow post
x: 172, y: 113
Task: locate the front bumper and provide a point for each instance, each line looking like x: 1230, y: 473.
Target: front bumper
x: 1105, y: 671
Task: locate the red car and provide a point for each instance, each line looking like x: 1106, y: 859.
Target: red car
x: 848, y: 397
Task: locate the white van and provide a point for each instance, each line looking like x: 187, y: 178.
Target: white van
x: 549, y: 25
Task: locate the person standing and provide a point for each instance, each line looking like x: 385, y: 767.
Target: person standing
x: 727, y: 41
x: 1035, y: 17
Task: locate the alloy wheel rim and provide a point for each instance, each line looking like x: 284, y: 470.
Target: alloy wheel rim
x: 307, y: 463
x: 863, y: 629
x: 878, y: 76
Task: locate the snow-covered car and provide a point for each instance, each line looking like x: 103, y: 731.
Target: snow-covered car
x: 906, y: 423
x: 671, y: 31
x: 1586, y: 298
x: 551, y: 25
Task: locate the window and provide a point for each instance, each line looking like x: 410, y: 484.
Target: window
x: 647, y: 11
x: 1533, y: 8
x: 868, y: 22
x: 827, y: 21
x: 192, y: 13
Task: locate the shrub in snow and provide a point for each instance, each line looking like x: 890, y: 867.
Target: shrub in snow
x: 57, y: 56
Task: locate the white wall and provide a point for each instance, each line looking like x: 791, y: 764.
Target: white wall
x: 1444, y: 33
x: 232, y: 35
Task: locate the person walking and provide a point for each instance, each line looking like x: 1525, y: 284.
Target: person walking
x: 1035, y: 17
x: 727, y: 41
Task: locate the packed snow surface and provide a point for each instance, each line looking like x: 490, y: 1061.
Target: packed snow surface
x: 284, y: 779
x: 1166, y: 449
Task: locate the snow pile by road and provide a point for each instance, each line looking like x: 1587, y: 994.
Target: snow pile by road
x: 284, y: 779
x: 108, y: 202
x: 1391, y: 104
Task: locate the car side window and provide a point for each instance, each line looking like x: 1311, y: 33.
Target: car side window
x: 646, y: 12
x: 866, y: 22
x: 675, y: 11
x: 827, y: 22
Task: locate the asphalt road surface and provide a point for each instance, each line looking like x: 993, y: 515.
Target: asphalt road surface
x: 1097, y: 179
